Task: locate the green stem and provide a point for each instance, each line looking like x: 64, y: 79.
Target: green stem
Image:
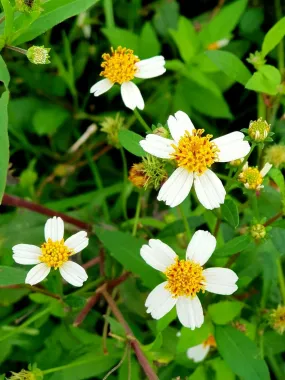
x: 137, y: 215
x: 34, y: 318
x: 141, y: 120
x: 125, y: 171
x: 281, y: 278
x: 275, y: 367
x: 17, y: 49
x: 66, y: 366
x: 185, y: 221
x: 109, y: 14
x: 255, y: 205
x: 280, y: 47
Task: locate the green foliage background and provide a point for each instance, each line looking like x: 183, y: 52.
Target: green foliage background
x: 45, y: 109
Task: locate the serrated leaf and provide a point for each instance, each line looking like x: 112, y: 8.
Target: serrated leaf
x: 225, y: 311
x: 237, y: 244
x: 273, y: 37
x: 130, y: 141
x: 241, y: 354
x: 12, y: 276
x: 230, y: 212
x: 230, y: 64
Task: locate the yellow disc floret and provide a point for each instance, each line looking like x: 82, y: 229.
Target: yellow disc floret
x: 120, y: 65
x: 258, y: 130
x: 184, y: 278
x: 251, y: 178
x: 194, y: 152
x: 55, y: 253
x: 277, y: 319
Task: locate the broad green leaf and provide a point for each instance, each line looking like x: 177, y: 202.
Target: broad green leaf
x: 222, y: 370
x: 166, y: 16
x: 237, y: 244
x: 126, y: 249
x: 122, y: 37
x: 230, y: 212
x: 241, y: 354
x: 12, y: 276
x: 225, y: 311
x: 55, y: 12
x: 130, y: 141
x: 149, y: 45
x: 200, y: 373
x: 186, y: 39
x: 4, y: 139
x: 223, y: 23
x: 46, y: 121
x: 274, y: 343
x: 9, y: 18
x: 230, y: 64
x: 265, y: 80
x: 273, y: 37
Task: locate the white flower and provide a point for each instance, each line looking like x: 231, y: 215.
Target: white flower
x: 198, y: 353
x: 185, y: 278
x: 194, y: 155
x: 122, y: 66
x: 54, y: 253
x: 252, y: 177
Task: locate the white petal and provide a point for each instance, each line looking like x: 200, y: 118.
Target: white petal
x: 150, y: 68
x: 26, y: 254
x: 190, y: 312
x: 201, y: 247
x: 265, y: 169
x: 160, y: 301
x: 210, y: 190
x: 158, y: 255
x: 157, y: 146
x: 198, y: 353
x: 179, y: 124
x: 220, y: 280
x: 132, y: 96
x: 77, y: 242
x: 176, y: 188
x: 101, y: 87
x: 54, y: 229
x: 37, y: 274
x: 232, y: 147
x: 73, y: 273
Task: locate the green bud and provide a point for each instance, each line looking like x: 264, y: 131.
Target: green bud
x: 111, y: 126
x: 256, y: 60
x: 275, y: 154
x: 39, y: 55
x: 28, y: 6
x: 277, y: 319
x: 258, y: 231
x: 154, y: 169
x: 258, y: 130
x: 161, y: 131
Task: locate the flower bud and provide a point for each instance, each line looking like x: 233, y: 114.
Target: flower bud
x: 39, y: 55
x: 277, y: 319
x: 237, y: 162
x: 258, y: 130
x: 111, y: 126
x: 161, y: 131
x: 34, y: 374
x: 28, y: 6
x: 256, y: 60
x: 258, y: 231
x: 276, y: 155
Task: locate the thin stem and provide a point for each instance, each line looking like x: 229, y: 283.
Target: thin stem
x: 134, y: 343
x: 125, y: 172
x: 273, y: 219
x: 280, y: 47
x: 119, y: 364
x: 186, y: 224
x: 137, y: 215
x: 2, y: 19
x: 17, y: 49
x: 141, y: 120
x: 11, y: 200
x: 66, y: 366
x: 281, y: 278
x: 255, y: 205
x: 109, y: 14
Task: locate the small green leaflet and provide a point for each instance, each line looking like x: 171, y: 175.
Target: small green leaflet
x: 230, y: 212
x: 12, y: 276
x: 273, y: 37
x: 130, y: 141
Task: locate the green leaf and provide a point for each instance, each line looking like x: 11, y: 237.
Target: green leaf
x: 241, y: 354
x: 225, y: 311
x: 222, y: 370
x: 237, y: 244
x: 273, y: 37
x: 265, y: 80
x: 223, y: 23
x: 200, y: 373
x: 9, y: 18
x: 122, y: 37
x: 126, y: 249
x: 4, y: 151
x: 46, y: 121
x: 186, y: 39
x: 230, y: 64
x: 230, y: 212
x: 155, y: 345
x: 130, y: 141
x: 149, y: 45
x: 55, y: 12
x: 12, y: 276
x: 278, y: 178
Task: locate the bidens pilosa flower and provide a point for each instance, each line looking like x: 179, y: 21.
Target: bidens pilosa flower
x: 252, y: 177
x: 122, y: 66
x: 185, y: 278
x: 277, y: 319
x: 54, y: 253
x: 198, y: 353
x: 258, y: 130
x: 38, y: 55
x: 194, y: 154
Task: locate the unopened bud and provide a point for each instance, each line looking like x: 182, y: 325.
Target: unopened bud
x: 39, y: 55
x: 258, y: 231
x: 112, y: 126
x: 258, y: 130
x: 161, y: 131
x: 276, y: 155
x: 237, y: 162
x: 256, y: 59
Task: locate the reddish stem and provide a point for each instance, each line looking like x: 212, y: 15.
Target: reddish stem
x: 92, y: 262
x: 273, y: 219
x: 11, y: 200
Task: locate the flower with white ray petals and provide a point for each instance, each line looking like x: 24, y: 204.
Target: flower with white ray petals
x: 198, y: 353
x: 54, y: 253
x: 185, y: 278
x: 194, y: 155
x: 122, y: 66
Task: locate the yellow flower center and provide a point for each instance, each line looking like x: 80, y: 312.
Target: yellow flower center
x: 210, y: 342
x: 194, y: 152
x: 259, y: 129
x: 278, y: 319
x: 120, y: 65
x: 55, y: 253
x: 184, y: 278
x: 251, y: 177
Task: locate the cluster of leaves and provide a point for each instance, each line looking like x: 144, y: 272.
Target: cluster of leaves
x: 46, y: 109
